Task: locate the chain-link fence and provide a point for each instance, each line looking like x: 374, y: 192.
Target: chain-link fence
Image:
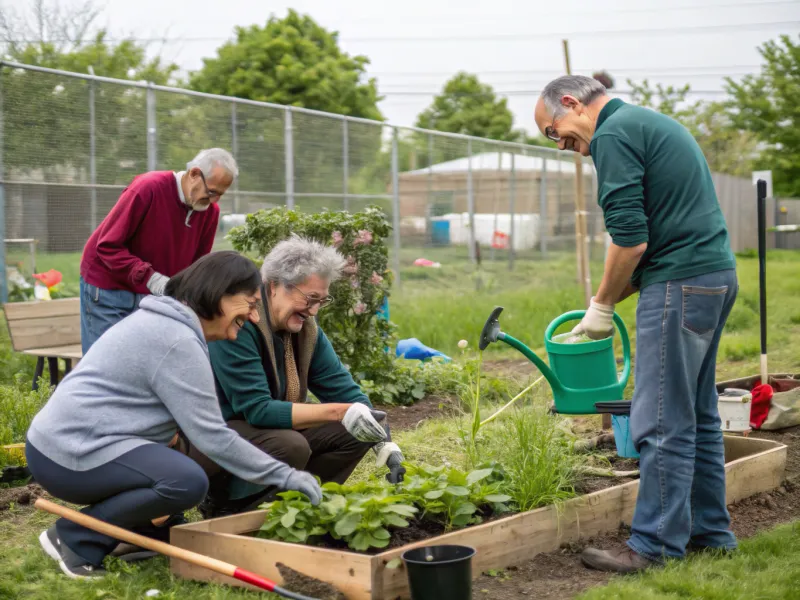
x: 70, y: 143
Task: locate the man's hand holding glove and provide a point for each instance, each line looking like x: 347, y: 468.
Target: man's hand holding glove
x: 157, y: 283
x: 598, y: 322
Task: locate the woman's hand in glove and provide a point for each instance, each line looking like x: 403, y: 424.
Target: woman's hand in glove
x: 302, y: 481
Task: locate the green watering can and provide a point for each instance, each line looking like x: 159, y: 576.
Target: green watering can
x: 580, y: 375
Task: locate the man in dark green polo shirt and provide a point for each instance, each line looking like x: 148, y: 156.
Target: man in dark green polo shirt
x: 263, y: 378
x: 669, y: 243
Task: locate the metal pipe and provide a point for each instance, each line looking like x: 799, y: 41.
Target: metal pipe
x: 396, y: 205
x: 511, y: 201
x: 151, y: 129
x: 543, y: 207
x: 235, y: 151
x: 470, y: 203
x: 288, y: 151
x: 92, y: 154
x: 345, y: 163
x: 3, y: 276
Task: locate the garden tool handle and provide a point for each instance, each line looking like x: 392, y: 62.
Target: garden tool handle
x: 164, y: 548
x: 577, y: 315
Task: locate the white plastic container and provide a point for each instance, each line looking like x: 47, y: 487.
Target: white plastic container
x: 734, y: 409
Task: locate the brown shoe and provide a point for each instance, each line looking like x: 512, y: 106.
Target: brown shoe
x: 622, y: 560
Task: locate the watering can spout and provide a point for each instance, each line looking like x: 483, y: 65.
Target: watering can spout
x: 491, y: 333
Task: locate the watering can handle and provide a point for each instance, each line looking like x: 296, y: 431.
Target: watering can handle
x: 576, y: 315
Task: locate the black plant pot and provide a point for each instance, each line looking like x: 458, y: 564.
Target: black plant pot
x: 440, y: 572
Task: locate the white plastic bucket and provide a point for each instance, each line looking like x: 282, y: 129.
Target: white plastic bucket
x: 734, y: 409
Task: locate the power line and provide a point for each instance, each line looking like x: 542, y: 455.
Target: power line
x: 519, y: 37
x: 654, y: 78
x: 661, y: 9
x: 612, y: 70
x: 478, y: 38
x: 528, y: 93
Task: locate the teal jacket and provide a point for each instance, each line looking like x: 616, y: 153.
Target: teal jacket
x: 243, y: 388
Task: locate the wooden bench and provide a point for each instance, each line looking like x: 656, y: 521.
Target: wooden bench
x: 47, y: 329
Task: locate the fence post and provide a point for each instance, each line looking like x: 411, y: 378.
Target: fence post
x: 92, y: 153
x: 288, y: 151
x: 235, y: 151
x: 470, y: 203
x: 345, y: 163
x: 543, y: 209
x: 151, y: 128
x: 3, y: 278
x: 396, y: 205
x: 512, y: 193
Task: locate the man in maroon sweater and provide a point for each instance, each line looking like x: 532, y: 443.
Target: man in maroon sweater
x: 161, y: 224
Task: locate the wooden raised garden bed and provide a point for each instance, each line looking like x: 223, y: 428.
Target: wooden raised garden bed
x: 752, y: 466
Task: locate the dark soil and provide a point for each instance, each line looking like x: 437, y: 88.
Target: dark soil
x: 308, y: 586
x: 408, y: 417
x: 20, y: 496
x: 560, y: 575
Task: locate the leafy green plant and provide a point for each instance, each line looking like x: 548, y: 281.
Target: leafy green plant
x: 359, y: 335
x: 18, y: 406
x: 454, y: 496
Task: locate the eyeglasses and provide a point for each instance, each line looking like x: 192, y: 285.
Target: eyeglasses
x: 312, y: 300
x: 550, y: 131
x: 209, y: 193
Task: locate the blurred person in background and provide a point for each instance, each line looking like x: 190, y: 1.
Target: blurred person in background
x: 670, y: 244
x: 162, y: 223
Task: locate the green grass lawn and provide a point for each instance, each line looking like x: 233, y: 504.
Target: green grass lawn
x: 765, y: 567
x: 440, y: 307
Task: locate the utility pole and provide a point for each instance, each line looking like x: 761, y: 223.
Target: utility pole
x: 581, y: 239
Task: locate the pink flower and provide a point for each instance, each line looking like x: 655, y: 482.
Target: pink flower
x: 364, y: 237
x: 337, y: 239
x: 354, y: 282
x: 359, y: 308
x: 375, y: 279
x: 351, y: 268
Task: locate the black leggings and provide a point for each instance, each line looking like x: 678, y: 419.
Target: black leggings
x: 146, y: 483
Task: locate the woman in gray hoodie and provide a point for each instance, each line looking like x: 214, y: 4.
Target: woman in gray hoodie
x: 105, y: 437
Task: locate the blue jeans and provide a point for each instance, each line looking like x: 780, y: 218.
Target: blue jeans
x: 675, y: 421
x: 101, y: 309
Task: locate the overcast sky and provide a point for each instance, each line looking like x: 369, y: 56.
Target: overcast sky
x: 700, y: 46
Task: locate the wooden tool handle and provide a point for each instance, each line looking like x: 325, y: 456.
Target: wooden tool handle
x: 134, y: 538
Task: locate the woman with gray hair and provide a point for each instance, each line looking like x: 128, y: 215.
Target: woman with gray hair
x: 264, y: 376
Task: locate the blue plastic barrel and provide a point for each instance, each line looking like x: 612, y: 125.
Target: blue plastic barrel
x: 440, y: 233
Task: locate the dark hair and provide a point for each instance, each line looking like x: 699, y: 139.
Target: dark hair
x: 202, y: 285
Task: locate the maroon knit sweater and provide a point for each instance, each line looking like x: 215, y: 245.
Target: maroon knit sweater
x: 149, y: 229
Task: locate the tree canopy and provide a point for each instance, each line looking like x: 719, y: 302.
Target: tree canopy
x: 291, y: 61
x: 470, y: 107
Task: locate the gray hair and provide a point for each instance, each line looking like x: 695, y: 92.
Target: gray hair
x: 585, y: 89
x: 209, y: 158
x: 294, y: 260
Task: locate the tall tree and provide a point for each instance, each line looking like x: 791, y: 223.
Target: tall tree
x: 469, y: 107
x: 767, y: 104
x: 47, y: 116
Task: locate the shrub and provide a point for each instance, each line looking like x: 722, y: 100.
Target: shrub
x: 360, y: 338
x: 17, y: 409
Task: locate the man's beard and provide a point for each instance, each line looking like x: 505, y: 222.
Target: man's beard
x: 199, y: 207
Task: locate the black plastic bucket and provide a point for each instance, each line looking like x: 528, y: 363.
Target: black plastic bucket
x: 440, y: 572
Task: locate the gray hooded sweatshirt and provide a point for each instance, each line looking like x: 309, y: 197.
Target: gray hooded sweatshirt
x: 143, y: 379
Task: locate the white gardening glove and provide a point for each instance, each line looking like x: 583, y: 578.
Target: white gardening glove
x: 361, y: 423
x: 598, y: 322
x: 157, y: 283
x: 301, y: 481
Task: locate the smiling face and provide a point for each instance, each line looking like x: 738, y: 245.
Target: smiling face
x: 201, y: 192
x: 290, y: 306
x: 572, y: 130
x: 236, y: 309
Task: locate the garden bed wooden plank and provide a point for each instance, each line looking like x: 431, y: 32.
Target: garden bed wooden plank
x: 752, y: 466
